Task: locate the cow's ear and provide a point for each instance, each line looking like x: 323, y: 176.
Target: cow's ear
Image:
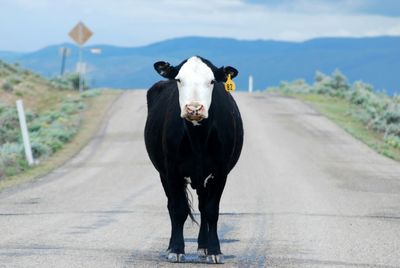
x: 230, y: 70
x: 165, y: 69
x: 222, y: 73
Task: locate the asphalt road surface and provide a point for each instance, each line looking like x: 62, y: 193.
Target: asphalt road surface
x: 304, y: 194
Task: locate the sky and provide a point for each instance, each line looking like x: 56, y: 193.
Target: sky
x: 28, y: 25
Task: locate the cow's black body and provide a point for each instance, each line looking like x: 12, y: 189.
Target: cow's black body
x: 178, y: 149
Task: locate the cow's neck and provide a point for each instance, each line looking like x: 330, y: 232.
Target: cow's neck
x: 198, y: 135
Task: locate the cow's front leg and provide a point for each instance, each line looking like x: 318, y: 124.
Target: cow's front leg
x: 214, y: 192
x: 178, y: 210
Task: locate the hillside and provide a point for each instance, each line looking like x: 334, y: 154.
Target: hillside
x: 38, y: 94
x: 373, y: 60
x: 53, y: 113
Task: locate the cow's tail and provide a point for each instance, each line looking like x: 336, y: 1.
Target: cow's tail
x: 189, y: 198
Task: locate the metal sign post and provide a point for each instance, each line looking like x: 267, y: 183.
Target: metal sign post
x: 64, y: 54
x: 80, y: 34
x: 80, y: 70
x: 25, y: 134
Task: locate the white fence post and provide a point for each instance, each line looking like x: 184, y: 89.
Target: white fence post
x: 25, y: 134
x: 250, y: 83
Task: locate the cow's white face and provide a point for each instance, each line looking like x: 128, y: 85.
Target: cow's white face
x: 195, y: 82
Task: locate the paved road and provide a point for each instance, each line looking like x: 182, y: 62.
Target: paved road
x: 304, y: 194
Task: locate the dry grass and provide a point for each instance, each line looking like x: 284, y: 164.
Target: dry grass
x: 38, y: 94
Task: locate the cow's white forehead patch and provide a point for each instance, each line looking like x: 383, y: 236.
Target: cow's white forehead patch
x: 195, y: 87
x: 195, y: 68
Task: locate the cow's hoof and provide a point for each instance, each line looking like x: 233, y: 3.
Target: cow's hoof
x: 202, y: 253
x: 176, y: 257
x: 215, y: 259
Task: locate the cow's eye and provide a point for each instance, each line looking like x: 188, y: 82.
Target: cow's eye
x: 212, y: 82
x: 178, y: 80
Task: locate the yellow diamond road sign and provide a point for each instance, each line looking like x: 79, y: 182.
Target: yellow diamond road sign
x: 80, y: 33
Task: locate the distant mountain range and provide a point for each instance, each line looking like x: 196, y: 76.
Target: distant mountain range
x: 373, y: 60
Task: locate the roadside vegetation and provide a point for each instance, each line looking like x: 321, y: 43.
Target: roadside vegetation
x: 53, y: 109
x: 372, y: 117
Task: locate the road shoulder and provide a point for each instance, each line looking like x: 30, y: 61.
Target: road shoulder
x: 337, y: 110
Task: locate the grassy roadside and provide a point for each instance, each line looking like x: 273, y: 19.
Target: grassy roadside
x: 369, y: 115
x: 338, y: 110
x: 92, y: 117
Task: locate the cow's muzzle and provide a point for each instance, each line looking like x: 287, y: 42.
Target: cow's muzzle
x: 195, y: 112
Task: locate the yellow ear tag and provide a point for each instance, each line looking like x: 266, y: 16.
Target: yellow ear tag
x: 229, y: 84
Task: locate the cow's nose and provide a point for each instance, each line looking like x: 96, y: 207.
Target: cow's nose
x: 194, y: 108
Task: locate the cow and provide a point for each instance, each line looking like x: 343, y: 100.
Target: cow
x: 193, y: 135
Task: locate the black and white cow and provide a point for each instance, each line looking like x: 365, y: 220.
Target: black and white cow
x: 193, y: 135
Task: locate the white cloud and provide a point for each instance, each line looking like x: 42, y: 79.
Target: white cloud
x: 393, y: 30
x: 29, y: 4
x: 315, y: 6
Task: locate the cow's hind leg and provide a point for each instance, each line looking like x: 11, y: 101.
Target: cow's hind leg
x: 202, y: 239
x: 208, y: 242
x: 214, y: 193
x: 179, y: 210
x: 167, y: 193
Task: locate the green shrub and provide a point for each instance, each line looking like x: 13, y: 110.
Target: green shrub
x: 379, y: 125
x: 9, y: 135
x: 61, y: 134
x: 393, y: 140
x: 68, y: 81
x: 53, y: 116
x: 335, y: 85
x: 13, y: 150
x: 74, y: 79
x: 19, y: 94
x: 11, y: 155
x: 71, y: 107
x: 26, y: 72
x: 61, y: 82
x: 339, y: 81
x: 9, y: 125
x: 55, y: 144
x: 393, y: 129
x: 91, y: 93
x: 297, y: 86
x: 14, y: 80
x: 40, y: 150
x: 363, y: 116
x: 2, y: 108
x: 10, y: 68
x: 11, y: 170
x: 392, y: 114
x: 359, y: 97
x: 7, y: 86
